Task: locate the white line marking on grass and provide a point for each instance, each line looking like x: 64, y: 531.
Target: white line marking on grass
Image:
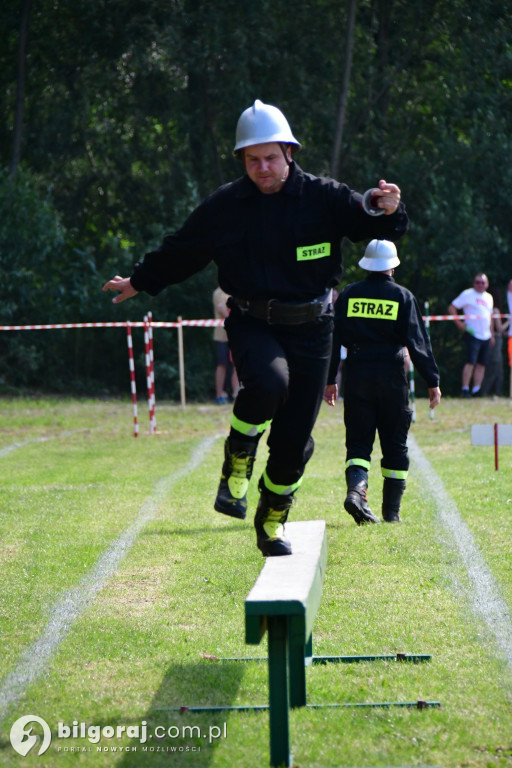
x: 35, y: 659
x: 15, y: 446
x: 485, y: 595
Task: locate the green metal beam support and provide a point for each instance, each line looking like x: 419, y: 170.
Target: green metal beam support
x: 278, y: 685
x: 296, y: 667
x: 414, y: 658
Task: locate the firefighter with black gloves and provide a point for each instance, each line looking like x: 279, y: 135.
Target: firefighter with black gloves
x: 377, y: 320
x: 275, y: 236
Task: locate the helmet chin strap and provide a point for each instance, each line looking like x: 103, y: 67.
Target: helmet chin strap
x: 284, y: 150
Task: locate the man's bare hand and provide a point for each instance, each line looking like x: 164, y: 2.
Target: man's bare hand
x: 434, y: 394
x: 331, y: 394
x: 387, y: 196
x: 123, y: 285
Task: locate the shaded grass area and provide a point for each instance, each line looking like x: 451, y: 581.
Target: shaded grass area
x: 143, y: 646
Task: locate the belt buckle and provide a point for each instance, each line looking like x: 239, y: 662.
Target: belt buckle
x: 269, y: 311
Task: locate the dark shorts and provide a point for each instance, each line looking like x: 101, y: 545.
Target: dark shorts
x: 222, y: 348
x: 477, y: 351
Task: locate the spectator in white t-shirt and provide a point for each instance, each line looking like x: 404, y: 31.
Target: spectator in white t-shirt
x: 478, y: 331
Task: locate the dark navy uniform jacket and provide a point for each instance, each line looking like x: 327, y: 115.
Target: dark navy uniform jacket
x: 375, y: 319
x: 285, y: 246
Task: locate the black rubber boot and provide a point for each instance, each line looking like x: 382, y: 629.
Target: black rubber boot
x: 236, y: 472
x: 355, y: 502
x: 271, y: 515
x: 392, y: 492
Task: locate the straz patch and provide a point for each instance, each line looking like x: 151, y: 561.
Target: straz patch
x: 375, y: 308
x: 310, y: 252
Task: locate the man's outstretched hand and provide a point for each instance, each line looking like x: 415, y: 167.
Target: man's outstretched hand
x: 123, y: 285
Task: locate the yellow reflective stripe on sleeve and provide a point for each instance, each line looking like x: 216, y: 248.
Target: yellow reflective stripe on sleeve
x: 380, y: 309
x: 396, y: 474
x: 310, y: 252
x: 251, y: 430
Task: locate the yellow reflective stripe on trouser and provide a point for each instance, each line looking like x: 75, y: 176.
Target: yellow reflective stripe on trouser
x: 281, y: 490
x: 396, y: 474
x: 357, y: 463
x: 251, y: 430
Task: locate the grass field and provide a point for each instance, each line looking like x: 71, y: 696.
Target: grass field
x: 118, y: 581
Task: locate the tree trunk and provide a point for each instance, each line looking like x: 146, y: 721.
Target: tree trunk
x: 338, y: 136
x: 20, y: 91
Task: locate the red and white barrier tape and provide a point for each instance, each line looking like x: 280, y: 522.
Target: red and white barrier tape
x: 53, y: 326
x: 189, y: 323
x: 65, y: 325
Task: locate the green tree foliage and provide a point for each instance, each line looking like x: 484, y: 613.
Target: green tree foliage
x: 128, y: 121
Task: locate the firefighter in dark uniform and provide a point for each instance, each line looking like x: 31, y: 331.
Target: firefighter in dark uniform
x: 275, y: 235
x: 377, y: 320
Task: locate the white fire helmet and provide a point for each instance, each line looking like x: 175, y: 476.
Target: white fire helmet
x: 262, y: 124
x: 379, y: 256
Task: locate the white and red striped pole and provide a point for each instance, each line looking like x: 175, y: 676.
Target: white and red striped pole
x: 132, y: 379
x: 152, y: 370
x: 148, y: 372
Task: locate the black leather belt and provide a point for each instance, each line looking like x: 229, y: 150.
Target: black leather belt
x: 276, y: 312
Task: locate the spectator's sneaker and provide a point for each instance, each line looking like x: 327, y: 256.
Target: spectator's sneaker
x: 465, y: 393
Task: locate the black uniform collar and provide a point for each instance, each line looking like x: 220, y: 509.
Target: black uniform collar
x: 293, y: 184
x: 380, y: 276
